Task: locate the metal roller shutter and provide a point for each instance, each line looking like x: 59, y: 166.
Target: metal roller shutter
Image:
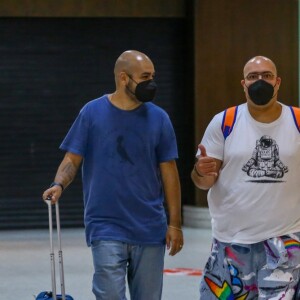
x: 49, y: 69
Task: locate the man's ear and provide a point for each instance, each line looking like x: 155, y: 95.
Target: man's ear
x: 243, y: 84
x: 123, y: 78
x: 278, y: 81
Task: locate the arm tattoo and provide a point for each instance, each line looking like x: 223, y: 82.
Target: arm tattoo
x: 68, y: 172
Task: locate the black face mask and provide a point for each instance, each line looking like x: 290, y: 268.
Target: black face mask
x: 261, y: 92
x: 145, y: 90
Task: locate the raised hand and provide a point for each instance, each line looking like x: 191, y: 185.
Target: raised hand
x: 205, y: 166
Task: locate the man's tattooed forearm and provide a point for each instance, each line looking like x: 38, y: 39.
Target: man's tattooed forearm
x: 68, y: 172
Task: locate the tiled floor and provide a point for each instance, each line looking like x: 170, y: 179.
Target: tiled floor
x: 25, y: 264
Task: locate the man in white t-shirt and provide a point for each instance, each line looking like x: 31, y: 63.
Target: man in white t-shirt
x: 250, y: 164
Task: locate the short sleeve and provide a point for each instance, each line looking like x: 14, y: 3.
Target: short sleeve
x: 167, y: 146
x: 77, y: 137
x: 213, y: 139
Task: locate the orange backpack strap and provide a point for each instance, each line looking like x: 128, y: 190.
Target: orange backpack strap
x: 296, y: 115
x: 229, y: 118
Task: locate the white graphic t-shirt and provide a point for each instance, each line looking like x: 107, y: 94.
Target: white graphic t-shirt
x: 257, y: 194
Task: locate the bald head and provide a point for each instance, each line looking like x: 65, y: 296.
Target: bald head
x: 129, y: 61
x: 260, y: 64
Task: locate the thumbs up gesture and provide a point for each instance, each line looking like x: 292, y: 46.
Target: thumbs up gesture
x: 202, y: 150
x: 206, y: 166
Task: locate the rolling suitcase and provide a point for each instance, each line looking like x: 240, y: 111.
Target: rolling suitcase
x: 52, y: 295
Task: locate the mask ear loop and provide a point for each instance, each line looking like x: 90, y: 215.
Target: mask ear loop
x: 131, y: 78
x: 274, y: 88
x: 127, y: 88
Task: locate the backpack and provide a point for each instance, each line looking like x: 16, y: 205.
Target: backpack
x: 229, y: 118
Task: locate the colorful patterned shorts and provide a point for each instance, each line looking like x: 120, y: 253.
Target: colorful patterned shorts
x: 266, y: 270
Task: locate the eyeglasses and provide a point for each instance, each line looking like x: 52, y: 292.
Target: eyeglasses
x: 263, y: 75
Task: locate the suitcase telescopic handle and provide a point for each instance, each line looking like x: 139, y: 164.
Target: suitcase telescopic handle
x: 60, y: 254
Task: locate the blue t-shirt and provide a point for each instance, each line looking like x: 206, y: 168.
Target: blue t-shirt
x: 122, y: 150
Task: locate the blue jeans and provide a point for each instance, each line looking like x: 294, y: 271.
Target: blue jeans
x: 142, y: 264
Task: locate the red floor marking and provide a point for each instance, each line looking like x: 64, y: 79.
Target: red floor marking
x: 183, y: 271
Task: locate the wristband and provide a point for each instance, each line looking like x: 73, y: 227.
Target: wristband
x: 195, y: 169
x: 56, y: 183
